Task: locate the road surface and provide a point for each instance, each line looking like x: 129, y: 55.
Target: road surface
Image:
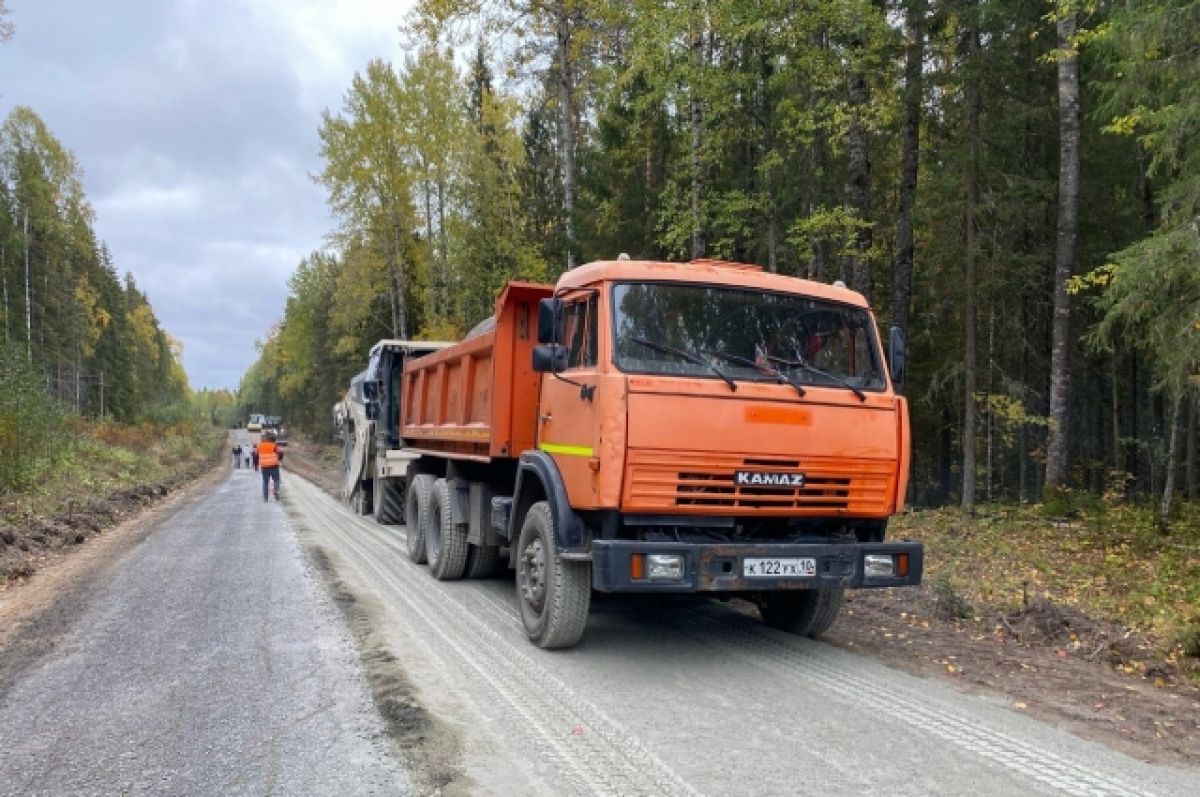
x: 210, y: 661
x: 292, y: 648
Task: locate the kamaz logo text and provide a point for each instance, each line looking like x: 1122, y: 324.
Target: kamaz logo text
x: 749, y: 478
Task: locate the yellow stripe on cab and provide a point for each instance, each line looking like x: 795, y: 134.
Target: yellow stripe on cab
x: 571, y: 451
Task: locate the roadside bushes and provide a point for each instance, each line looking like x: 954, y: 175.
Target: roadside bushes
x: 33, y: 433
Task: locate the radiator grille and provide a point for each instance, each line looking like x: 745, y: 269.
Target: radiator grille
x: 663, y: 481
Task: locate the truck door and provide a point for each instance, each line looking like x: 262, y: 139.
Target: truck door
x: 567, y: 422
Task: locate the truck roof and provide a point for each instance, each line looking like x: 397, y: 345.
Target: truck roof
x: 411, y: 345
x: 713, y: 272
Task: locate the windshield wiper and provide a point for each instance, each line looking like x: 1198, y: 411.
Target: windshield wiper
x: 812, y: 369
x: 688, y: 356
x: 762, y: 367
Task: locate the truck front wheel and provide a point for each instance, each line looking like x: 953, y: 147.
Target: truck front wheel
x: 416, y: 509
x: 445, y: 540
x: 807, y: 612
x: 554, y: 595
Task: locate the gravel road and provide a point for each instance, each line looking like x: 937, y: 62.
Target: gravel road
x: 211, y: 660
x: 698, y: 698
x: 251, y: 648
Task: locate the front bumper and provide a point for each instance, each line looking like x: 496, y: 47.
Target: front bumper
x: 718, y: 567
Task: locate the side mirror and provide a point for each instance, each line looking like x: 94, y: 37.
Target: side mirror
x: 549, y: 358
x: 550, y: 321
x: 896, y: 355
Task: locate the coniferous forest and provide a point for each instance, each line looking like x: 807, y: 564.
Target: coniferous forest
x: 1016, y: 183
x: 78, y: 341
x: 89, y: 334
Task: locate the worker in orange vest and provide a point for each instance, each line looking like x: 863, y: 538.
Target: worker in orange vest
x: 269, y: 457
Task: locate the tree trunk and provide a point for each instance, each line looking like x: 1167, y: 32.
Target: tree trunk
x: 1168, y: 494
x: 399, y: 285
x: 819, y: 267
x: 696, y: 113
x: 1064, y: 255
x: 648, y: 176
x: 969, y: 347
x: 443, y: 247
x: 910, y: 153
x: 427, y: 196
x: 858, y: 172
x: 566, y: 113
x: 1189, y: 478
x: 28, y: 296
x: 1115, y: 397
x: 4, y: 279
x: 991, y: 417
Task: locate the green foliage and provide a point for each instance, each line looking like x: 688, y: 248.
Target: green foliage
x: 32, y: 433
x: 1188, y: 642
x: 1110, y: 562
x: 1149, y: 292
x: 948, y: 602
x: 1150, y: 299
x: 92, y: 339
x: 1061, y: 502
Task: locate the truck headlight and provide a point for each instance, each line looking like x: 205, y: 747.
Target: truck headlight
x: 879, y: 565
x: 664, y: 566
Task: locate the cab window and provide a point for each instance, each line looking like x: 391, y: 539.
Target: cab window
x: 580, y: 333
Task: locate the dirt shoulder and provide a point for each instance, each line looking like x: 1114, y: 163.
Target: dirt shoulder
x: 1056, y: 665
x: 318, y: 463
x: 1095, y: 679
x: 45, y: 524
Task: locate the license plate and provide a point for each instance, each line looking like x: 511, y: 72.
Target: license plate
x: 779, y: 568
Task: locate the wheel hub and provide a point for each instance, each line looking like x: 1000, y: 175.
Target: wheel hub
x: 533, y: 574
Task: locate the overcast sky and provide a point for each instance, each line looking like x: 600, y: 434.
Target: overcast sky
x: 195, y: 123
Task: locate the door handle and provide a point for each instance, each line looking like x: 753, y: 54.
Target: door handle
x: 545, y: 418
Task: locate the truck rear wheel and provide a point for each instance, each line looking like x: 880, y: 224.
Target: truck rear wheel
x: 386, y: 502
x: 416, y: 510
x: 554, y: 595
x: 445, y: 541
x: 807, y: 612
x: 482, y: 561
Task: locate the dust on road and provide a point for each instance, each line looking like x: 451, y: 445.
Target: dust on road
x: 691, y: 699
x: 206, y: 660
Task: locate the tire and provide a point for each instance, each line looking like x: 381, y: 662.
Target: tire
x: 482, y: 561
x: 445, y: 541
x: 554, y: 595
x: 807, y: 612
x: 388, y: 506
x: 416, y: 510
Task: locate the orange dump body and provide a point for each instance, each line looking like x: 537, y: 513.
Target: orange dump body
x: 477, y: 399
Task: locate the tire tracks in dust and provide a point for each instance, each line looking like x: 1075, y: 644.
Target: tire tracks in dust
x: 558, y: 727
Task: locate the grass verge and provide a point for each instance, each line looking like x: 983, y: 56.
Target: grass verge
x: 103, y: 473
x: 1110, y: 564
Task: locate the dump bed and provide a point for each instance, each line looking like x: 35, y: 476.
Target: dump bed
x: 478, y: 398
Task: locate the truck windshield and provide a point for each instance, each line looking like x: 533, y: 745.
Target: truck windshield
x: 754, y: 335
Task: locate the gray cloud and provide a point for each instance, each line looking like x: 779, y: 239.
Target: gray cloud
x: 195, y: 122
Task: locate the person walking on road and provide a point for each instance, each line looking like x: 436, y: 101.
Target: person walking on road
x: 254, y: 457
x: 269, y: 457
x: 237, y: 455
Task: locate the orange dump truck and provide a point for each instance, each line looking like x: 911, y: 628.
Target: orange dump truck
x: 655, y: 427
